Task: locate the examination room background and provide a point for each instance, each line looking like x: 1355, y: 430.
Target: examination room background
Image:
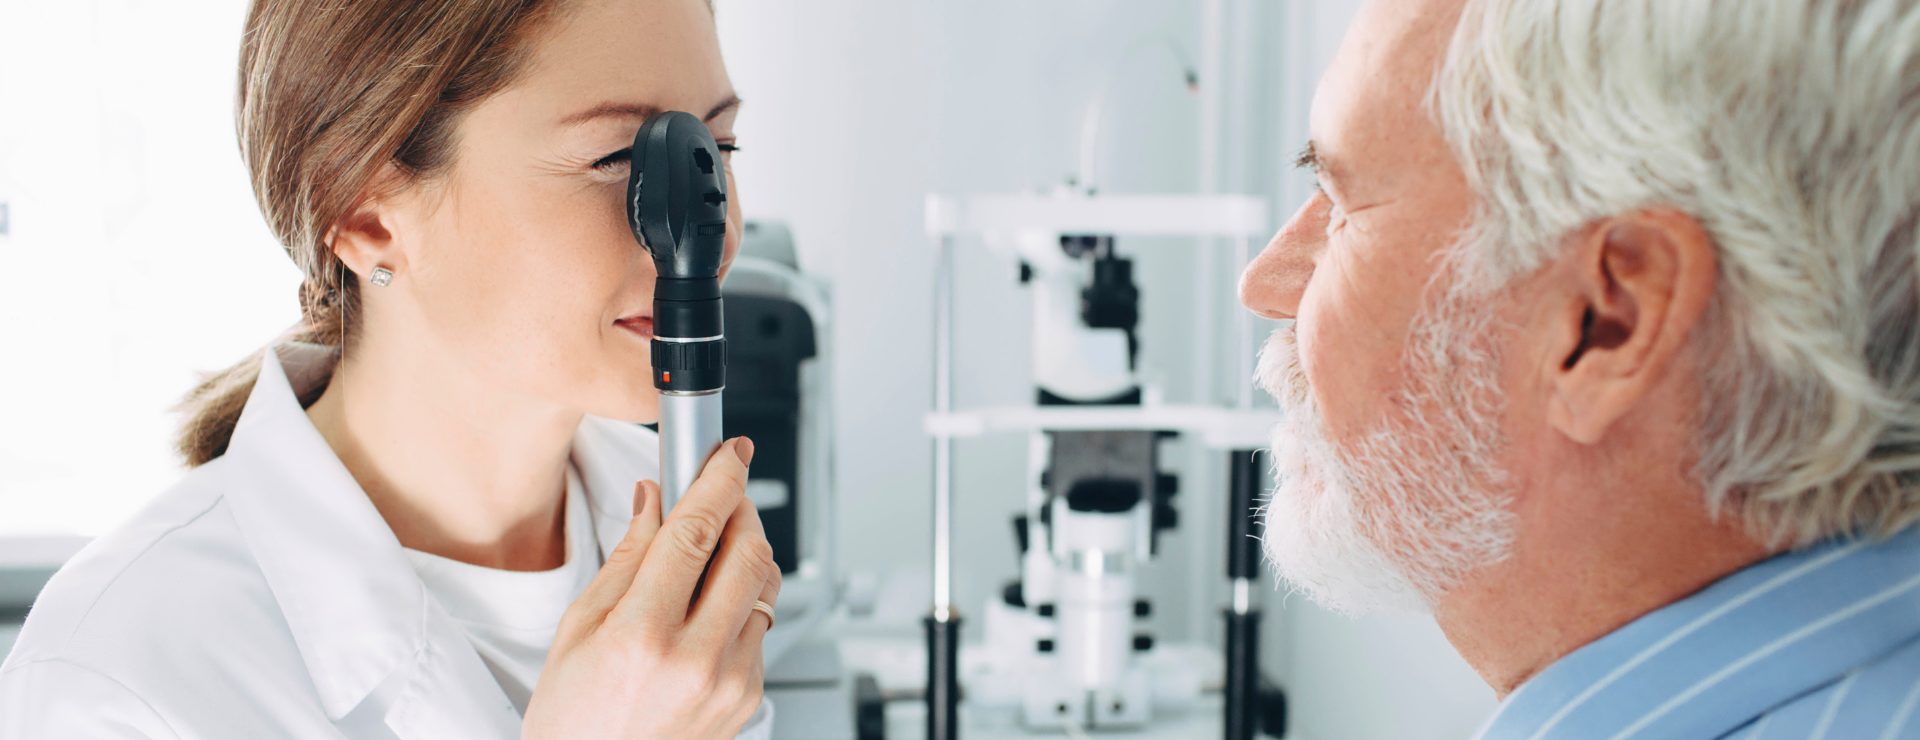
x: 134, y: 257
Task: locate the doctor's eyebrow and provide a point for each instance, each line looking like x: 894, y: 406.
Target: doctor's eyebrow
x: 642, y: 111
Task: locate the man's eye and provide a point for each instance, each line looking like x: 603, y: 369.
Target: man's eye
x: 1336, y: 219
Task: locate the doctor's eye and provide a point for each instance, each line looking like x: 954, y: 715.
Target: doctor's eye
x: 624, y: 158
x: 614, y: 161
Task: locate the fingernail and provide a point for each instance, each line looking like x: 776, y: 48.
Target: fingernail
x: 642, y: 502
x: 744, y: 448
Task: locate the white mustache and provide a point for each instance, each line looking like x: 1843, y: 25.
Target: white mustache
x: 1279, y: 372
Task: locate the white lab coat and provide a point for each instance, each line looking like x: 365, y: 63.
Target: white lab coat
x: 264, y: 597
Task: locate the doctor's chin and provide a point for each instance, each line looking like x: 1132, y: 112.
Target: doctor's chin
x: 705, y: 369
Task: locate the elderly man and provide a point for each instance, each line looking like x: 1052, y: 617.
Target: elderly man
x: 1606, y: 350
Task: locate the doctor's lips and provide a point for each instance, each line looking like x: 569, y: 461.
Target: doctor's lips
x: 639, y: 324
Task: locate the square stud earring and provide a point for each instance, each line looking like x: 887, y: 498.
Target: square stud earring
x: 382, y: 277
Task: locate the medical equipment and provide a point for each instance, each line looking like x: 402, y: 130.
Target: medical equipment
x: 780, y: 393
x: 1100, y: 503
x: 677, y: 209
x: 1065, y: 645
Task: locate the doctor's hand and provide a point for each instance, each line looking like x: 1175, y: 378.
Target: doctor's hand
x: 638, y: 656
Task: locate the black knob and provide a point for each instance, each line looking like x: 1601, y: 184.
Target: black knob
x: 870, y: 709
x: 1165, y: 516
x: 1272, y: 710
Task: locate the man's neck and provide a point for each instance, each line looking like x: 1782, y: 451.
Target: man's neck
x: 1589, y: 570
x: 457, y: 468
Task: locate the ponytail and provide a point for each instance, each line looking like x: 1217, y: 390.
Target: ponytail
x: 213, y: 407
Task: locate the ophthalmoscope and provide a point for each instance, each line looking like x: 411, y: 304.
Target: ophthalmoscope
x: 677, y: 209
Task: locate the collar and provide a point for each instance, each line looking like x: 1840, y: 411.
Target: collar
x: 356, y: 609
x: 1705, y: 665
x: 612, y: 457
x: 335, y: 568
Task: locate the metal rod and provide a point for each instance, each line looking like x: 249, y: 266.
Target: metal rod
x: 943, y: 683
x: 1206, y: 357
x: 943, y: 625
x: 1243, y: 545
x: 1243, y: 618
x: 1243, y: 675
x: 943, y: 444
x: 690, y: 432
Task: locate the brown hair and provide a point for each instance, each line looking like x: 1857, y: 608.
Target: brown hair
x: 330, y: 94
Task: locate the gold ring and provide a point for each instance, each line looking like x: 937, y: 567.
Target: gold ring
x: 764, y: 608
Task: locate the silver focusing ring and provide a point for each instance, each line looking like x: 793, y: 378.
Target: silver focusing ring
x: 686, y: 340
x: 707, y: 392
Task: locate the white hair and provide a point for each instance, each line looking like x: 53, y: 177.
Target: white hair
x: 1790, y: 129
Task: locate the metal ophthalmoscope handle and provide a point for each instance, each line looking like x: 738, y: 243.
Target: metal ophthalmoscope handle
x: 677, y: 209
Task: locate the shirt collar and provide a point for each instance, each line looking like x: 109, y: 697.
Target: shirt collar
x: 1706, y: 664
x: 353, y: 605
x: 612, y: 457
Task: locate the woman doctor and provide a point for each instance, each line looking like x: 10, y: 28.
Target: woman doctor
x: 416, y: 516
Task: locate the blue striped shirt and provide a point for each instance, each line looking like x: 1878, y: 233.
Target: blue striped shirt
x: 1820, y: 643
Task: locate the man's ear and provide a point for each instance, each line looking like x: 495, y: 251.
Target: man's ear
x: 1638, y: 285
x: 364, y: 237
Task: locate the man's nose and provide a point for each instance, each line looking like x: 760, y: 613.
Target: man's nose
x: 1274, y: 281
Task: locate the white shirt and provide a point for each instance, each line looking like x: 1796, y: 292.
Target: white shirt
x: 511, y: 616
x: 264, y: 596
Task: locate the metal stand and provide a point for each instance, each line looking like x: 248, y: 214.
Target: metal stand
x: 1243, y: 618
x: 1234, y: 216
x: 943, y: 678
x: 943, y: 625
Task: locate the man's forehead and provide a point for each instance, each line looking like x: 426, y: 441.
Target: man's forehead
x: 1372, y: 94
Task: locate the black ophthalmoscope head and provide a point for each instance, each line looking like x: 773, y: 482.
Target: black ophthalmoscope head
x: 677, y: 196
x: 677, y: 209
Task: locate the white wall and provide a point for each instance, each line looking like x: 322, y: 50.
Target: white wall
x: 127, y: 200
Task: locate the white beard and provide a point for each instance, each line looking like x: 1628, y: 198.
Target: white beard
x: 1418, y: 503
